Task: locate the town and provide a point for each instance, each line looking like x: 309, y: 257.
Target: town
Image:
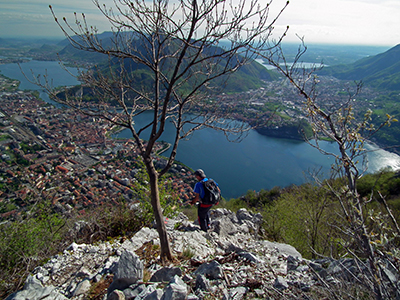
x: 278, y: 104
x: 67, y: 158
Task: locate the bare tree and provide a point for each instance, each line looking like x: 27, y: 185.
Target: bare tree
x: 175, y: 48
x: 338, y: 122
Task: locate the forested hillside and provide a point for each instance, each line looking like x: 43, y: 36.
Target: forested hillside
x: 381, y: 71
x: 308, y: 216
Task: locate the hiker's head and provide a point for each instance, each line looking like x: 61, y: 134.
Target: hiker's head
x: 200, y: 173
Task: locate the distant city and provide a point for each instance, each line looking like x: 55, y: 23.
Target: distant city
x: 54, y: 153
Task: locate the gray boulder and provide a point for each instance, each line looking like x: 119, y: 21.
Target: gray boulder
x: 128, y: 271
x: 175, y: 290
x: 237, y: 293
x: 134, y: 290
x: 202, y: 283
x: 211, y: 270
x: 143, y: 236
x: 283, y: 249
x: 224, y: 227
x: 33, y: 290
x: 251, y: 257
x: 242, y: 215
x: 292, y: 263
x: 116, y: 295
x: 281, y: 283
x: 165, y: 274
x: 82, y: 288
x: 149, y: 293
x: 191, y: 241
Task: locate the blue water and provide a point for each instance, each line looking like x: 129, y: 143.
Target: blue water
x: 258, y: 162
x: 27, y: 72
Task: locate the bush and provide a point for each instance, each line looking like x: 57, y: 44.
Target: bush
x: 26, y: 243
x: 107, y: 221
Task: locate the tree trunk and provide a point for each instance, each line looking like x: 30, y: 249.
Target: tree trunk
x: 166, y: 253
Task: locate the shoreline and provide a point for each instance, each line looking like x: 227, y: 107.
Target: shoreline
x: 165, y: 148
x: 114, y: 131
x: 282, y: 132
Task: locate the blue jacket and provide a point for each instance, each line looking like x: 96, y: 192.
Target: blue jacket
x: 199, y: 188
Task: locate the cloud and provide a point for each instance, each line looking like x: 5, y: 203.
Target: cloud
x: 346, y: 21
x: 326, y: 21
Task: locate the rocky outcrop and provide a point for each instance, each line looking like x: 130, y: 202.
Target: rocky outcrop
x: 228, y: 262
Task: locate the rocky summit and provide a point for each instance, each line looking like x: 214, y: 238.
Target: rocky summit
x: 228, y: 262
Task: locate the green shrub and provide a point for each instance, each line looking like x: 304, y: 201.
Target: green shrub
x: 26, y: 243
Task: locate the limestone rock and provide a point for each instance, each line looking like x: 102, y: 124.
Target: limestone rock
x: 128, y: 271
x: 280, y: 283
x: 175, y: 290
x: 33, y: 290
x: 165, y: 274
x: 211, y: 270
x: 82, y: 288
x: 237, y: 293
x: 143, y: 236
x: 202, y: 283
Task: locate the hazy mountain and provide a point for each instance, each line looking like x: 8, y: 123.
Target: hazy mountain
x: 331, y: 54
x: 26, y: 42
x: 381, y: 71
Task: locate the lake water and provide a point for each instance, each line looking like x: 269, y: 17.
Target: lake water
x: 306, y: 65
x: 33, y: 68
x: 258, y: 162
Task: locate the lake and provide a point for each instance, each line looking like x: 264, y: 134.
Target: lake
x: 306, y: 65
x: 258, y: 162
x: 58, y: 76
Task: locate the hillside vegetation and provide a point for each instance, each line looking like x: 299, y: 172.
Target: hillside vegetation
x: 381, y: 71
x: 308, y: 217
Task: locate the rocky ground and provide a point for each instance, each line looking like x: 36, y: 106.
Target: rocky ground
x: 228, y: 262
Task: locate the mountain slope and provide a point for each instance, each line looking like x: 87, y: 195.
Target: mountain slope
x: 248, y: 77
x: 381, y: 71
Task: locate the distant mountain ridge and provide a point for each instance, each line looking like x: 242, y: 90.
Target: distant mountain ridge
x: 250, y: 76
x: 381, y: 71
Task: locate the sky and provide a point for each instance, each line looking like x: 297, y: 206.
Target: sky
x: 349, y: 22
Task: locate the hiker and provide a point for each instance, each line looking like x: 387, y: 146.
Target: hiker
x: 202, y: 196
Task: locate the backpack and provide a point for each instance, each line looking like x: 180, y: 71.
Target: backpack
x: 212, y: 194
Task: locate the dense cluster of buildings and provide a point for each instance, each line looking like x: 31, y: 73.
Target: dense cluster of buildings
x: 55, y: 154
x: 279, y: 104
